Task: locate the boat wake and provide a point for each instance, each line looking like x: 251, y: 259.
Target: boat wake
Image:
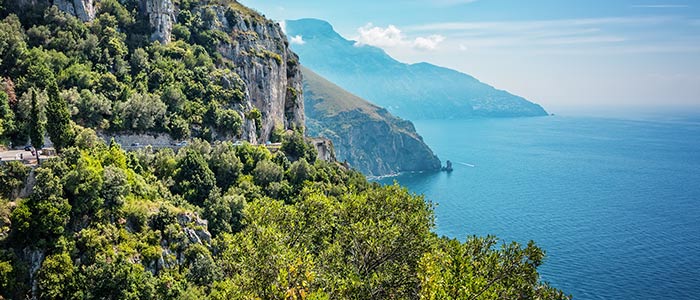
x: 466, y: 164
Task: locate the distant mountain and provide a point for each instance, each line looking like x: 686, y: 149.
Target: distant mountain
x: 417, y: 91
x: 368, y: 137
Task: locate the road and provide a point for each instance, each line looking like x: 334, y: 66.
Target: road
x: 14, y: 155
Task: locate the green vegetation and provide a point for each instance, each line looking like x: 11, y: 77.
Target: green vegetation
x: 216, y: 220
x: 106, y: 75
x: 118, y: 225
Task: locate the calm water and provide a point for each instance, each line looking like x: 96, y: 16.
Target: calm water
x: 615, y: 203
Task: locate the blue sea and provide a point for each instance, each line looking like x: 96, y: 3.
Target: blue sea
x: 615, y: 203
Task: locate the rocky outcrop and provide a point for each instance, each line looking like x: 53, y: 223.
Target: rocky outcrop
x: 325, y: 149
x: 161, y: 15
x: 270, y: 70
x: 82, y: 9
x: 367, y: 137
x: 257, y: 47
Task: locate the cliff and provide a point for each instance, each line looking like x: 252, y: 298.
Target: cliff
x: 264, y: 69
x: 368, y: 137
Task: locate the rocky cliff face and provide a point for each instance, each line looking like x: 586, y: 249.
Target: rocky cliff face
x: 83, y: 9
x: 368, y: 137
x: 261, y: 56
x: 161, y: 16
x: 257, y: 47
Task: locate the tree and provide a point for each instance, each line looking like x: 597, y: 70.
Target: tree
x: 300, y: 171
x: 226, y: 165
x: 42, y: 217
x: 267, y: 172
x: 142, y: 112
x: 296, y: 147
x: 12, y: 177
x: 193, y: 178
x: 58, y: 119
x: 479, y: 269
x: 7, y: 117
x: 55, y: 276
x: 36, y: 126
x: 224, y: 213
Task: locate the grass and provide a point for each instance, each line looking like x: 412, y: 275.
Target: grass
x: 332, y: 99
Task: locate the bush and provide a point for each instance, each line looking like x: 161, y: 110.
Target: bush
x: 12, y: 177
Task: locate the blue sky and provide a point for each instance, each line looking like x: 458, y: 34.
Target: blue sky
x: 564, y: 54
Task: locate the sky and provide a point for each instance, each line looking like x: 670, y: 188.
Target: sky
x: 564, y: 54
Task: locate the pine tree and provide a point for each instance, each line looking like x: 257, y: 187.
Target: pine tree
x: 36, y: 126
x: 58, y: 117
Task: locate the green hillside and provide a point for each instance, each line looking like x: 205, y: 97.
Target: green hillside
x: 215, y: 219
x: 368, y: 137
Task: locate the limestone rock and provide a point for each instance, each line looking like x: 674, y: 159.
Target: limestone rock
x: 161, y: 15
x: 82, y: 9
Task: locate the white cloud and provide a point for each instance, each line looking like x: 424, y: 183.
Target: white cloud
x: 380, y: 37
x: 297, y: 40
x: 616, y: 35
x: 428, y: 43
x: 283, y: 25
x: 391, y: 37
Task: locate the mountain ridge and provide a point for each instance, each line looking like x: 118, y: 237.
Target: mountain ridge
x: 411, y: 91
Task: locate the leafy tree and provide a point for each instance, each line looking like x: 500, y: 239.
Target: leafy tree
x: 296, y: 147
x: 116, y: 279
x: 224, y: 213
x: 228, y: 122
x: 142, y: 112
x: 90, y: 110
x: 13, y: 44
x: 478, y: 269
x: 300, y: 171
x: 12, y: 177
x: 84, y: 186
x: 225, y: 164
x: 250, y: 156
x: 44, y: 215
x: 7, y: 116
x: 55, y: 277
x: 267, y: 172
x: 58, y: 119
x: 116, y: 187
x: 193, y: 178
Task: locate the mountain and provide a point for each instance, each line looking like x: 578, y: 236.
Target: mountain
x: 368, y: 137
x: 411, y: 91
x: 214, y: 70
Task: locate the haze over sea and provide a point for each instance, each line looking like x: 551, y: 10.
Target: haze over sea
x: 615, y: 203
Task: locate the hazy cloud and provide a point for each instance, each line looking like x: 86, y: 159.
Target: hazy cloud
x: 297, y: 40
x: 391, y: 37
x: 283, y: 25
x: 428, y: 43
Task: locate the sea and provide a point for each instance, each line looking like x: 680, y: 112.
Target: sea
x: 614, y: 202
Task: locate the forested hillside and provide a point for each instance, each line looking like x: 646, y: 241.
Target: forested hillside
x: 216, y: 219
